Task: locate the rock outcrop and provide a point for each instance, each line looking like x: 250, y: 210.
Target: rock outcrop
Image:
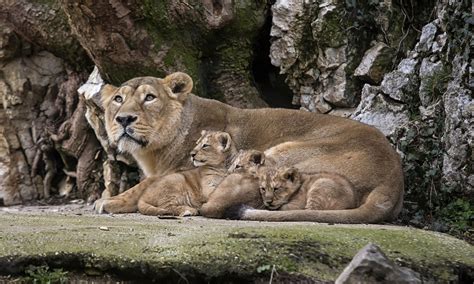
x: 398, y: 69
x: 370, y: 265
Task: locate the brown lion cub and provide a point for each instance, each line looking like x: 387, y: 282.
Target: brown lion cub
x: 182, y: 193
x: 288, y: 189
x: 240, y: 187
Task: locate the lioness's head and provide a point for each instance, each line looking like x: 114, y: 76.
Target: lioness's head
x: 247, y: 161
x: 143, y: 112
x: 278, y: 185
x: 214, y: 148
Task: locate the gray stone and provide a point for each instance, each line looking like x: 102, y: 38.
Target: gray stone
x: 331, y: 58
x: 439, y: 43
x: 430, y: 77
x: 375, y: 63
x: 374, y: 109
x: 322, y: 106
x: 342, y: 112
x: 286, y: 32
x: 458, y: 136
x: 407, y: 66
x: 401, y: 83
x: 334, y: 88
x: 428, y: 34
x: 370, y: 265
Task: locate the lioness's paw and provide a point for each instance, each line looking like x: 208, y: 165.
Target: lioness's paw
x: 99, y: 206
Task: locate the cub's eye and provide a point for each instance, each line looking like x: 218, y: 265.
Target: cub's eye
x: 118, y: 99
x: 238, y: 166
x: 276, y: 189
x: 205, y: 146
x: 149, y: 97
x: 262, y: 189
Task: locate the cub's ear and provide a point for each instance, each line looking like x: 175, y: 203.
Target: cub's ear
x: 180, y: 85
x: 225, y: 141
x: 106, y: 93
x: 291, y: 174
x: 257, y: 157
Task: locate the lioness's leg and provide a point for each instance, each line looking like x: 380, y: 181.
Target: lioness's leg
x: 125, y: 202
x: 146, y: 208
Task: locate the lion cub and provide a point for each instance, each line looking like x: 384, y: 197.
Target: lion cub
x: 288, y: 189
x: 240, y: 187
x: 182, y: 193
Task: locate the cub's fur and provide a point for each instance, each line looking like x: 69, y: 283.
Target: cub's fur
x: 240, y: 187
x: 157, y: 121
x: 288, y: 189
x: 182, y: 193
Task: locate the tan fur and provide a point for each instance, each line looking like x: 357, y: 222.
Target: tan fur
x: 183, y: 193
x: 166, y: 128
x: 288, y: 189
x: 240, y: 187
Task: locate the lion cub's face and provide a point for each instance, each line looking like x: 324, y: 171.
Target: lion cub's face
x: 143, y: 112
x: 277, y: 186
x: 247, y: 161
x: 214, y: 148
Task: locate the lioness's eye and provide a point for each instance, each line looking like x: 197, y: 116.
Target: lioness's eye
x: 238, y: 166
x: 149, y: 97
x: 205, y: 146
x: 118, y: 99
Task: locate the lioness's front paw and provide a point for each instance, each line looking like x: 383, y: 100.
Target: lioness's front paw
x: 99, y: 206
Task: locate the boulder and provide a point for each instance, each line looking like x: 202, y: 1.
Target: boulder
x: 378, y: 110
x: 376, y: 62
x: 370, y: 265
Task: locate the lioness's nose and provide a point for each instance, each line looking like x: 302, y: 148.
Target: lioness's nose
x: 193, y: 154
x: 125, y: 120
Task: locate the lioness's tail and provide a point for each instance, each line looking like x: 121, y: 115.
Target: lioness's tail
x: 375, y: 209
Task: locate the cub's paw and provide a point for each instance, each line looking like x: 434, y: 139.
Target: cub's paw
x: 236, y: 212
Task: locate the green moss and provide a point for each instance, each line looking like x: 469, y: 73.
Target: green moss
x: 219, y: 247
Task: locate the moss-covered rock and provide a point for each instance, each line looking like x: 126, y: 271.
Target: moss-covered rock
x: 198, y: 248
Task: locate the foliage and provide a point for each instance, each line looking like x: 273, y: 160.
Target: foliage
x: 42, y: 275
x: 460, y: 215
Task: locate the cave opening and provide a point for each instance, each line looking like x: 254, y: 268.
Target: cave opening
x: 267, y: 78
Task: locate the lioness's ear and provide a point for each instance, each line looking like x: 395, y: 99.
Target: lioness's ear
x: 180, y: 85
x: 257, y: 157
x: 290, y: 174
x: 225, y: 141
x: 203, y: 132
x: 106, y: 93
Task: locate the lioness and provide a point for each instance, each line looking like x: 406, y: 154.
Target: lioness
x: 183, y: 193
x: 240, y: 187
x: 288, y: 189
x: 158, y: 120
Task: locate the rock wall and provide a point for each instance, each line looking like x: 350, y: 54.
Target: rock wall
x: 405, y: 68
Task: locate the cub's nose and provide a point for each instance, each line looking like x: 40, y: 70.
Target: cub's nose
x: 125, y: 120
x: 193, y: 154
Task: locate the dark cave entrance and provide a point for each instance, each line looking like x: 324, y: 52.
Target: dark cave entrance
x: 267, y: 78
